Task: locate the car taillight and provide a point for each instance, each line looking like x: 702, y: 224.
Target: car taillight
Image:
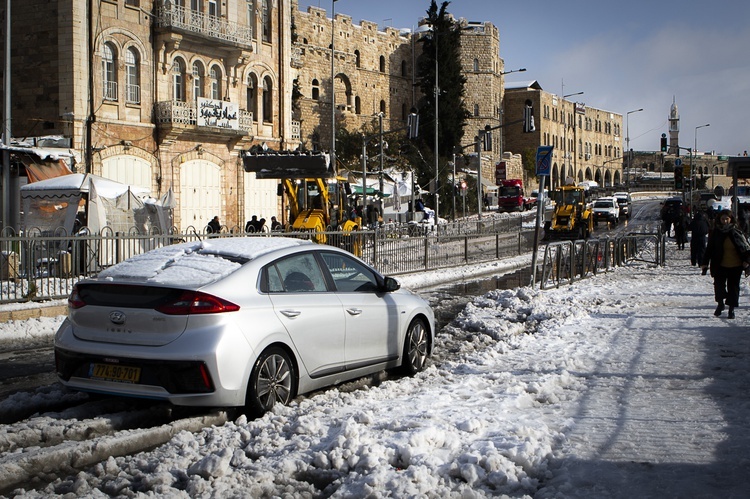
x: 74, y: 300
x: 195, y: 302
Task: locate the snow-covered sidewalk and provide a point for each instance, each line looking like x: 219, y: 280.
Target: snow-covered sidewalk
x: 620, y: 385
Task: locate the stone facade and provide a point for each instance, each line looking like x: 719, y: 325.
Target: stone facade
x: 587, y: 141
x: 373, y: 71
x: 136, y: 116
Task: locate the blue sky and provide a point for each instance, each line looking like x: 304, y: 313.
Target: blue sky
x: 622, y: 55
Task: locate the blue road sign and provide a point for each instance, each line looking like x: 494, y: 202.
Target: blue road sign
x: 544, y: 160
x: 678, y: 162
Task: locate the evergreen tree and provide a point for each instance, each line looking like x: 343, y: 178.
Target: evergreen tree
x: 445, y: 41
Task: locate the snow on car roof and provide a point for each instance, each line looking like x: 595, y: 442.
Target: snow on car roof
x: 196, y: 263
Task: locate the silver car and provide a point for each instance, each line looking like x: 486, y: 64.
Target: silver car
x: 233, y: 322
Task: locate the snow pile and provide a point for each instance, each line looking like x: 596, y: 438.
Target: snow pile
x: 621, y: 385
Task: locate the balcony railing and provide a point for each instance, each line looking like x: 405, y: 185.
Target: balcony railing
x: 133, y: 94
x: 182, y: 18
x: 110, y: 90
x: 186, y: 113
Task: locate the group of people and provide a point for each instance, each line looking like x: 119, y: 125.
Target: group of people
x: 720, y: 247
x: 253, y: 225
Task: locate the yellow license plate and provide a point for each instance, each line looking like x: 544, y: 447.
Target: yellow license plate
x: 112, y: 372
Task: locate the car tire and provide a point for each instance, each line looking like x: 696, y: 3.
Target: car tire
x: 273, y: 380
x: 416, y: 348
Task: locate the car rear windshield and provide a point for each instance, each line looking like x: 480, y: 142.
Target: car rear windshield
x: 119, y: 295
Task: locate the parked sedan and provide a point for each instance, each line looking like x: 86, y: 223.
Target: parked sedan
x: 232, y: 322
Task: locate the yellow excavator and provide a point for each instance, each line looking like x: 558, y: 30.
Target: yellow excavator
x: 318, y: 199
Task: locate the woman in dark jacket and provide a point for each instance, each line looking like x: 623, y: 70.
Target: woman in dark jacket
x: 727, y: 255
x: 698, y: 234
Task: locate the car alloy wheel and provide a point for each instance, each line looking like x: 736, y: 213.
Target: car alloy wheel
x: 272, y: 381
x: 416, y: 347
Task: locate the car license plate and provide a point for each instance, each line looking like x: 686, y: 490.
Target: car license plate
x: 110, y: 372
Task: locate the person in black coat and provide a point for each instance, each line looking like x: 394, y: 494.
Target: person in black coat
x: 699, y: 234
x: 214, y: 226
x: 727, y: 255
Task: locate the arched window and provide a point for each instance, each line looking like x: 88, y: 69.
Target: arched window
x: 132, y: 76
x: 357, y: 105
x: 403, y: 68
x: 357, y: 58
x: 476, y: 65
x: 178, y: 80
x: 476, y: 110
x: 109, y: 71
x: 382, y: 106
x: 267, y: 100
x: 382, y: 64
x: 252, y: 95
x: 215, y: 82
x: 198, y: 76
x: 315, y: 89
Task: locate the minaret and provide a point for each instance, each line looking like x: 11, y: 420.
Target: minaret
x: 674, y: 129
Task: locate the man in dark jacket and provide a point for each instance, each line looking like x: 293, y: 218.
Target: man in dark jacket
x: 698, y: 238
x: 214, y: 226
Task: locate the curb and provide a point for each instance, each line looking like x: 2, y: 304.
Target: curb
x: 33, y: 313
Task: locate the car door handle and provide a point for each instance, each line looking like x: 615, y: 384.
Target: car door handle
x: 354, y: 311
x: 291, y: 313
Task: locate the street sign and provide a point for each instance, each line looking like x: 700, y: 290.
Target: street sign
x: 678, y: 162
x: 544, y: 160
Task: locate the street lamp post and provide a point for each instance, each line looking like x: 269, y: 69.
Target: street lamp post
x: 695, y: 151
x: 333, y: 87
x: 627, y: 141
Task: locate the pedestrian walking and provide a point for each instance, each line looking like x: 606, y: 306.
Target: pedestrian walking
x: 727, y: 255
x: 698, y: 238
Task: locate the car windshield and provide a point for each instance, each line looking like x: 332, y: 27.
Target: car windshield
x: 603, y: 204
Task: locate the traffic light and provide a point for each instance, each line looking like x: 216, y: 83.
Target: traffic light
x: 664, y: 142
x: 678, y: 179
x: 528, y: 118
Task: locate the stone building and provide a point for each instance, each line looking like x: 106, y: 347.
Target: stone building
x: 588, y: 142
x: 373, y: 73
x: 161, y: 95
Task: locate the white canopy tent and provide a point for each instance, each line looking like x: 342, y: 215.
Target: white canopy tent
x: 53, y: 204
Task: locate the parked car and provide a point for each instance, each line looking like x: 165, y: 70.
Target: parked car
x: 625, y: 202
x: 232, y: 322
x: 606, y: 209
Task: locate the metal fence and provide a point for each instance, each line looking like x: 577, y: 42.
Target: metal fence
x: 566, y: 261
x: 41, y: 266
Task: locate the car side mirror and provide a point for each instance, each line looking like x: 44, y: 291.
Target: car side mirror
x: 390, y: 284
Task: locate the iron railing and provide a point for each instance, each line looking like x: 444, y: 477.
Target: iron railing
x: 43, y: 266
x: 566, y: 261
x: 40, y: 266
